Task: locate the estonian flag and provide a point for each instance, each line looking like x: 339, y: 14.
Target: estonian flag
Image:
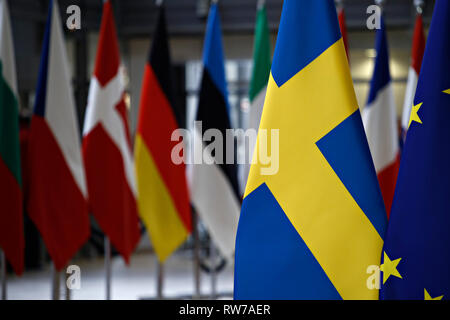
x: 214, y: 187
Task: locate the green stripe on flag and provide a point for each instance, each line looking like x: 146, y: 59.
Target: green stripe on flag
x: 261, y: 55
x: 9, y: 128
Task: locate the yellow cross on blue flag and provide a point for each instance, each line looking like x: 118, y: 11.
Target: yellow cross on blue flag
x: 417, y: 243
x: 312, y: 229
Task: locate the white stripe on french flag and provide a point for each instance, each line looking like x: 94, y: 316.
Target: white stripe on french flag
x: 380, y: 121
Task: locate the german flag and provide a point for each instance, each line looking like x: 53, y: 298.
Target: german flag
x: 163, y: 200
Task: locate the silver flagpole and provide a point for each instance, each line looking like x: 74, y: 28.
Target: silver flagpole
x: 108, y: 267
x: 196, y: 256
x: 3, y: 275
x: 66, y: 285
x: 55, y: 283
x: 160, y: 281
x: 213, y: 257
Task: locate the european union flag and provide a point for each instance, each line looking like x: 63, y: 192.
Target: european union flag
x: 311, y: 229
x: 416, y: 258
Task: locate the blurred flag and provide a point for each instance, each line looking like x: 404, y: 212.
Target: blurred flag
x: 380, y: 121
x: 57, y: 191
x: 417, y: 250
x: 343, y: 27
x: 311, y: 230
x: 163, y: 198
x: 107, y: 146
x: 11, y: 218
x: 418, y: 49
x: 260, y: 75
x: 214, y: 187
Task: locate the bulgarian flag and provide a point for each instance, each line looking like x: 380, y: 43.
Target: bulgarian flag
x: 163, y: 199
x: 11, y: 220
x: 260, y: 76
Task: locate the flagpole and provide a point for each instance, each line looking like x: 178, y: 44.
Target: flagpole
x: 160, y: 280
x: 108, y: 267
x: 55, y: 283
x: 68, y: 291
x: 196, y: 255
x: 3, y: 275
x: 212, y: 256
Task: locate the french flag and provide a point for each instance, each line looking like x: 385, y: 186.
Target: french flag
x: 57, y: 189
x: 418, y: 50
x: 343, y: 27
x: 380, y: 121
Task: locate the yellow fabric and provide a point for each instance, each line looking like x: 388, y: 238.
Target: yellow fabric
x: 155, y: 205
x: 323, y: 212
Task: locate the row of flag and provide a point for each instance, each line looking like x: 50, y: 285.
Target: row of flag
x: 309, y: 232
x: 103, y: 175
x: 67, y: 179
x: 319, y: 228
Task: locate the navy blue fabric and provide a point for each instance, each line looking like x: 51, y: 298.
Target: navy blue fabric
x: 381, y: 74
x: 41, y: 90
x: 419, y: 225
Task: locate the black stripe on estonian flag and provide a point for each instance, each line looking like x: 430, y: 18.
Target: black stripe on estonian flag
x: 213, y: 112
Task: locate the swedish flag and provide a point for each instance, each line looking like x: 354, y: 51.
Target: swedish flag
x: 416, y: 258
x: 311, y: 230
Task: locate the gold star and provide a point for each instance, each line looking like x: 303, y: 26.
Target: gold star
x: 447, y: 91
x: 428, y: 297
x: 389, y: 268
x: 414, y: 116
